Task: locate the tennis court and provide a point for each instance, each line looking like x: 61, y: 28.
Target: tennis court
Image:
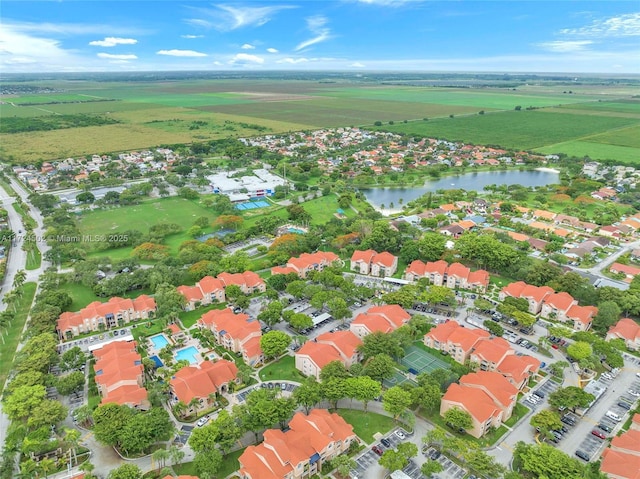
x: 252, y: 205
x: 397, y: 379
x: 419, y: 361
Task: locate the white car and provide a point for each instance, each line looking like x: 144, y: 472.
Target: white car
x: 634, y: 393
x: 202, y: 421
x: 400, y: 434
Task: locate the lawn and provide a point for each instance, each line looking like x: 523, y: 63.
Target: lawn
x: 11, y: 336
x: 34, y: 258
x: 596, y: 151
x: 283, y: 369
x: 82, y: 295
x: 366, y: 424
x: 518, y: 412
x: 230, y: 465
x: 141, y: 217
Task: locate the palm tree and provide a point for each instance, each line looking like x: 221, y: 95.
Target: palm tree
x: 87, y: 467
x: 176, y: 454
x: 181, y: 408
x: 19, y: 278
x: 72, y: 436
x: 46, y: 466
x: 160, y: 456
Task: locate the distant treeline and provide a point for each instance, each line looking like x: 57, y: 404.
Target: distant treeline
x: 52, y: 122
x: 95, y: 100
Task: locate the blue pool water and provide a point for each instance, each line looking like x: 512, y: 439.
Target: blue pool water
x: 250, y: 205
x: 157, y: 360
x: 159, y: 341
x: 187, y: 353
x: 296, y: 230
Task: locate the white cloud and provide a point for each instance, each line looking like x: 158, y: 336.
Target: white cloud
x: 357, y: 65
x: 117, y: 57
x: 181, y: 53
x: 227, y: 17
x: 293, y: 61
x: 561, y: 46
x: 248, y: 46
x: 272, y: 50
x: 113, y: 41
x: 192, y: 36
x: 70, y: 28
x: 627, y: 25
x: 317, y: 26
x: 246, y: 58
x: 385, y: 3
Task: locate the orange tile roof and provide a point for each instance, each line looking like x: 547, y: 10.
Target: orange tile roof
x: 252, y: 347
x: 209, y: 284
x: 479, y: 277
x: 466, y: 338
x: 282, y: 270
x: 416, y: 268
x: 629, y: 441
x: 385, y: 258
x: 247, y: 279
x: 520, y: 289
x: 199, y: 381
x: 584, y: 314
x: 494, y: 383
x: 492, y: 349
x: 306, y: 260
x: 392, y: 312
x: 344, y: 341
x: 618, y: 464
x: 442, y: 331
x: 467, y: 224
x: 237, y: 326
x: 127, y: 394
x: 547, y: 215
x: 96, y: 309
x: 626, y: 328
x: 449, y: 207
x: 473, y: 400
x: 517, y: 236
x: 560, y: 301
x: 518, y: 367
x: 541, y: 226
x: 118, y: 369
x: 365, y: 256
x: 281, y: 452
x: 191, y: 293
x: 320, y: 353
x: 436, y: 267
x: 458, y: 270
x: 624, y: 268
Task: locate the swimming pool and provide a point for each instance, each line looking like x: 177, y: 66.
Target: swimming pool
x: 159, y: 341
x: 296, y: 230
x: 157, y: 361
x: 190, y: 354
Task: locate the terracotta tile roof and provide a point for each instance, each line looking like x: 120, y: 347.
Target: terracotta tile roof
x: 436, y: 267
x: 624, y: 268
x: 584, y: 314
x: 479, y: 277
x: 320, y: 353
x: 494, y: 383
x: 119, y: 371
x: 466, y: 338
x: 467, y: 224
x: 174, y: 328
x: 248, y: 279
x: 449, y: 207
x: 517, y: 236
x: 344, y: 341
x: 541, y: 226
x: 282, y: 270
x: 629, y: 441
x: 547, y: 215
x: 416, y: 268
x: 385, y: 259
x: 252, y: 347
x: 560, y: 301
x: 97, y: 309
x: 537, y: 244
x: 365, y: 256
x: 125, y: 395
x: 458, y: 270
x: 200, y: 381
x: 191, y: 293
x: 620, y: 465
x: 473, y: 400
x: 492, y: 350
x: 392, y: 312
x: 209, y: 284
x: 627, y: 329
x: 305, y: 260
x: 518, y: 367
x: 520, y: 289
x: 237, y: 326
x: 281, y: 452
x: 442, y: 331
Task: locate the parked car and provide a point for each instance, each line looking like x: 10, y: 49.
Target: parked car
x: 624, y: 405
x: 202, y: 421
x: 613, y: 415
x: 583, y: 455
x: 634, y: 393
x: 599, y: 434
x: 377, y: 450
x: 400, y: 434
x: 385, y: 442
x: 604, y: 427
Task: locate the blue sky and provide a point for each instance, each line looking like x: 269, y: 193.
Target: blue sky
x: 358, y: 35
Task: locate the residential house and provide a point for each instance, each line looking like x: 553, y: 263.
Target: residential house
x: 489, y: 353
x: 629, y: 271
x: 386, y: 318
x: 97, y: 316
x: 236, y: 332
x: 487, y: 396
x: 581, y: 317
x: 306, y: 263
x: 337, y: 346
x: 249, y: 282
x: 206, y: 291
x: 120, y: 374
x: 370, y: 262
x: 557, y: 305
x: 197, y: 386
x: 518, y: 369
x: 628, y: 330
x: 301, y: 450
x: 453, y: 230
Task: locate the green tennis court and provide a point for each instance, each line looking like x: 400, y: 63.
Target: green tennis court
x: 419, y: 361
x: 397, y: 379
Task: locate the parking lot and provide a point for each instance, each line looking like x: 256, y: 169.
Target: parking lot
x: 450, y: 470
x: 369, y: 458
x: 538, y: 396
x: 183, y: 435
x: 281, y: 386
x: 102, y: 338
x: 591, y: 446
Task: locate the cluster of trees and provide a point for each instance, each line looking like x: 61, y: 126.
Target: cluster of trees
x: 16, y: 124
x: 543, y: 460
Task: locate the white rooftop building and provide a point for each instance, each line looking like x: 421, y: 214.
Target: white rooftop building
x: 241, y: 188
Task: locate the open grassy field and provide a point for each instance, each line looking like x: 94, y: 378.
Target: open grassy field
x: 163, y: 112
x: 516, y: 129
x: 366, y: 424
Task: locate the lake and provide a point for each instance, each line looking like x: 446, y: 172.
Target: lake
x: 467, y: 181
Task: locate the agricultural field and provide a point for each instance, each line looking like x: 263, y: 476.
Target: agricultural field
x: 518, y: 129
x: 153, y: 113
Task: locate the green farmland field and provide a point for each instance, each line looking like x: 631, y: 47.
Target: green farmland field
x: 595, y: 151
x: 515, y: 129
